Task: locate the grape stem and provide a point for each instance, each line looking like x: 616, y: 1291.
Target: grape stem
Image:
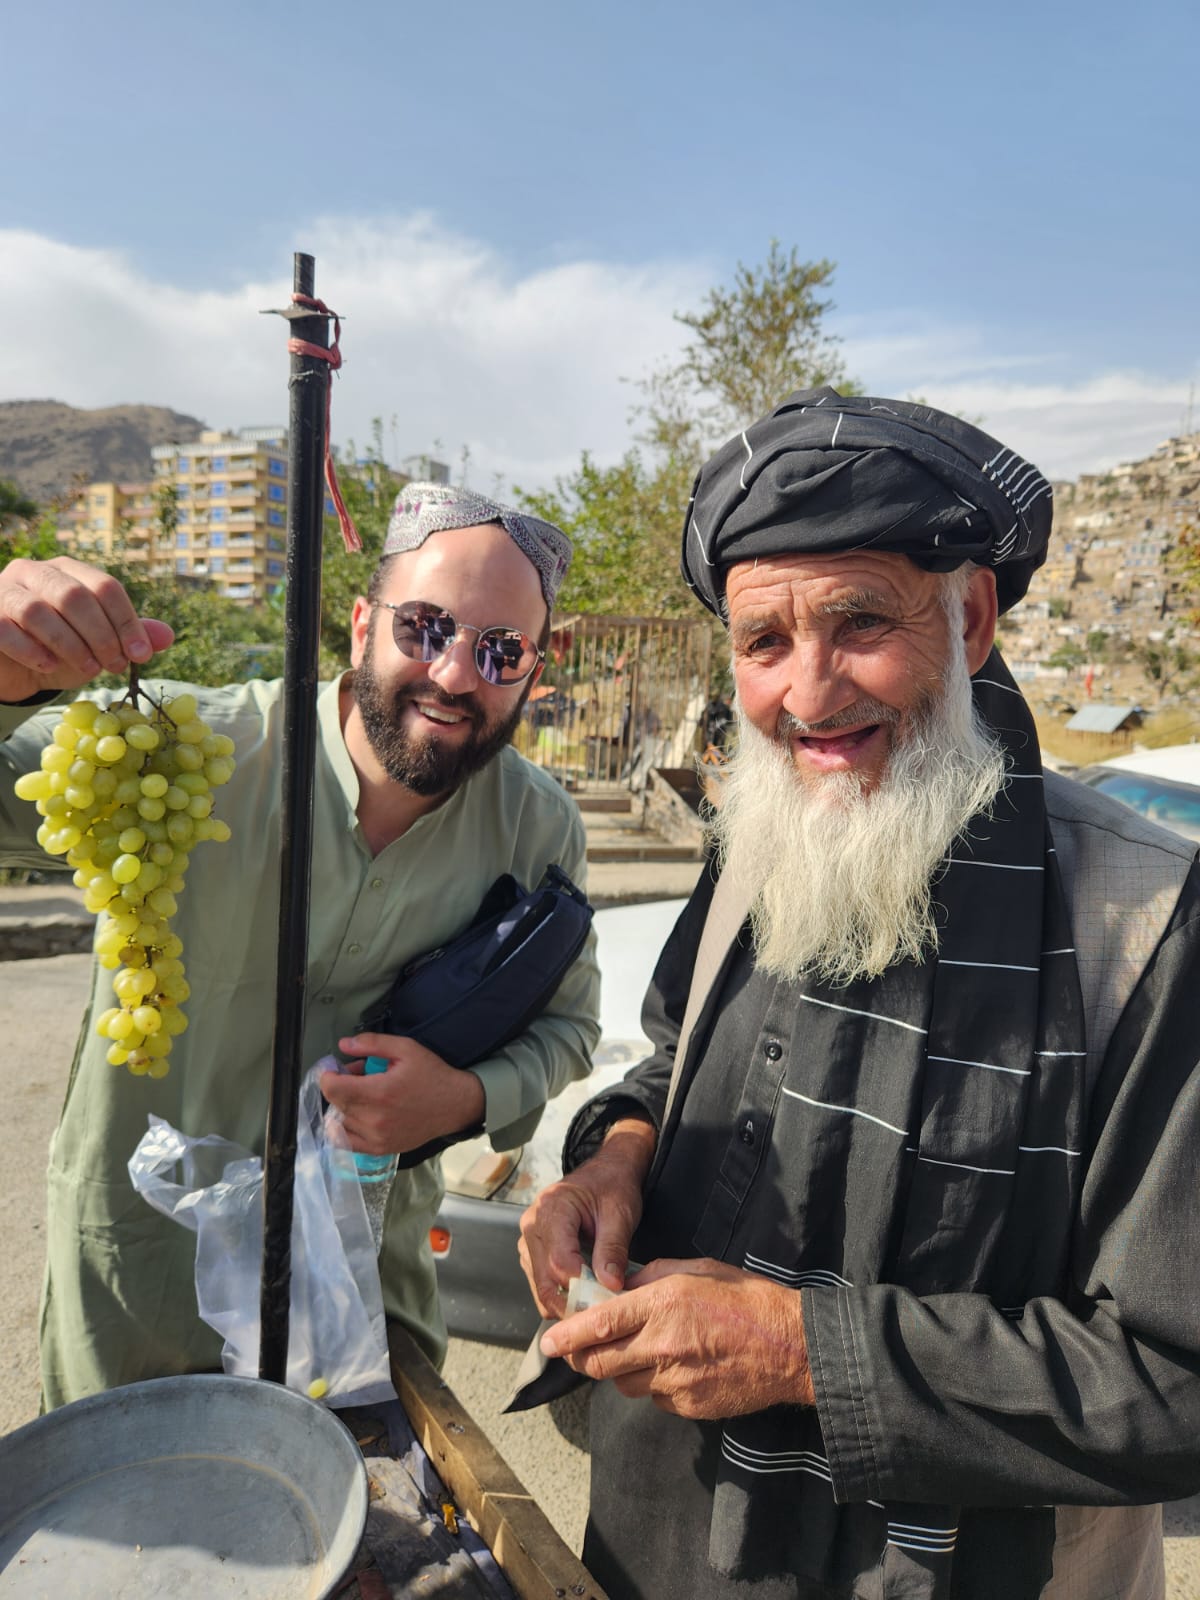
x: 136, y: 692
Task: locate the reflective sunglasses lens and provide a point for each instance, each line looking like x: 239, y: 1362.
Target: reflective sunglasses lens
x: 504, y: 656
x: 421, y: 634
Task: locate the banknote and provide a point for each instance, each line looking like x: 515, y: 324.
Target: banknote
x: 586, y: 1290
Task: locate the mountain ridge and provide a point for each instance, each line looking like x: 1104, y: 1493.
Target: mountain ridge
x: 48, y: 447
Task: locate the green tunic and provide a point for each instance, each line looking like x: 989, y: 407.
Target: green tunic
x: 119, y: 1301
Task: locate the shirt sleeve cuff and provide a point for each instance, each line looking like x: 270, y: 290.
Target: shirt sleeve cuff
x: 592, y: 1121
x: 840, y: 1386
x: 15, y: 713
x: 501, y: 1082
x: 41, y: 697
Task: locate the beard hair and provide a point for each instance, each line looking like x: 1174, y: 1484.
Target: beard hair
x: 843, y: 878
x: 426, y: 766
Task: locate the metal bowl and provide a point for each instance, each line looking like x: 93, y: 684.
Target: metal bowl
x: 188, y: 1487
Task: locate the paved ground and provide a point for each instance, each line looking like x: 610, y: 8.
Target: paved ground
x: 40, y: 1006
x: 40, y: 1003
x: 626, y: 882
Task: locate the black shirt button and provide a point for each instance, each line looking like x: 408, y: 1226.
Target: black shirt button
x: 774, y: 1051
x: 746, y: 1132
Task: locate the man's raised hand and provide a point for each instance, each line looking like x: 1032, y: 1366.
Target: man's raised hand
x: 62, y: 622
x: 599, y: 1204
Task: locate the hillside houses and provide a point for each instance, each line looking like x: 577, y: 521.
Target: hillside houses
x: 1107, y: 588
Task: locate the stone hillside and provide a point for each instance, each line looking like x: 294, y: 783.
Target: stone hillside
x: 1108, y: 586
x: 47, y: 447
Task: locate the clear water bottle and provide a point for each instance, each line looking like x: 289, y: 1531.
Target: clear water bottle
x: 376, y: 1174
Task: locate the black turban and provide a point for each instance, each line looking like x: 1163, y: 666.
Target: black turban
x: 831, y: 472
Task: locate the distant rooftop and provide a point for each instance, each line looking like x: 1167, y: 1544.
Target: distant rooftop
x: 1101, y: 719
x: 217, y: 438
x: 262, y: 434
x: 424, y: 469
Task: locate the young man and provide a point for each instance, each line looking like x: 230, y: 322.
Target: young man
x: 419, y: 805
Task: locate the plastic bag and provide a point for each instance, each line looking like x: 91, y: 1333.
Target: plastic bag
x: 337, y: 1339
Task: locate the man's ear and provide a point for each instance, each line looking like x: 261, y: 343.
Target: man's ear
x: 360, y: 622
x: 979, y: 617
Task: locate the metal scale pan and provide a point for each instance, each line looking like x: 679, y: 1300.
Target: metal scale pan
x: 192, y: 1488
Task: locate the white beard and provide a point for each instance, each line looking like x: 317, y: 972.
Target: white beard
x: 842, y: 878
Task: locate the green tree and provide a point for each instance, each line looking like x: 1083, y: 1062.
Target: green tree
x: 1098, y: 644
x: 14, y: 506
x: 1067, y: 655
x: 1168, y: 664
x: 626, y: 522
x: 20, y: 534
x: 166, y: 512
x: 38, y: 542
x: 751, y: 344
x: 345, y: 574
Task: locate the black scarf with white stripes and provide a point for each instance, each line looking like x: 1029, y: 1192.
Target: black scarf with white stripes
x: 963, y: 1078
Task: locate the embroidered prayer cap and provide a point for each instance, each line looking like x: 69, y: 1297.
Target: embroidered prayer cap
x: 425, y: 508
x: 830, y: 472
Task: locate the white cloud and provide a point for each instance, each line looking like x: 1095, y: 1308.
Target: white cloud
x: 438, y: 335
x: 1065, y: 427
x: 1069, y: 429
x: 445, y: 342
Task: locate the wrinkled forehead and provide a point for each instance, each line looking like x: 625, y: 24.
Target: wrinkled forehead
x: 807, y: 577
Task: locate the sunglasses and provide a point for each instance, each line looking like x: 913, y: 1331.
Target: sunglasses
x: 504, y: 656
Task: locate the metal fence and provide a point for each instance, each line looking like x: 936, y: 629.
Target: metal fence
x: 620, y: 695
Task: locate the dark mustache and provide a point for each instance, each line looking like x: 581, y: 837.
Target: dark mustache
x: 451, y: 702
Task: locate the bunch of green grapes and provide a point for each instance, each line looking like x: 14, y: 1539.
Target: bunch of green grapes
x: 126, y: 795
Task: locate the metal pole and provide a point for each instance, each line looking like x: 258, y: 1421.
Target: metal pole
x: 302, y: 625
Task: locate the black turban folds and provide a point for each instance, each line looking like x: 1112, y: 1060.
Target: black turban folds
x: 830, y: 472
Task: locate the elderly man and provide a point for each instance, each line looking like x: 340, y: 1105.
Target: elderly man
x: 419, y: 805
x: 913, y: 1164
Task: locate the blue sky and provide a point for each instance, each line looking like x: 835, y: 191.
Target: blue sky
x: 509, y: 202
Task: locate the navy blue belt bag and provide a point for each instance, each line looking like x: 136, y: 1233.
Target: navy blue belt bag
x: 468, y: 998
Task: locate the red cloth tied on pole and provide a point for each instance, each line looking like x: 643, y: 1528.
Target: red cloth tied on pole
x: 332, y: 355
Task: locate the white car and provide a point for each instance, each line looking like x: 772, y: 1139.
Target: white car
x: 1163, y: 785
x: 483, y: 1290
